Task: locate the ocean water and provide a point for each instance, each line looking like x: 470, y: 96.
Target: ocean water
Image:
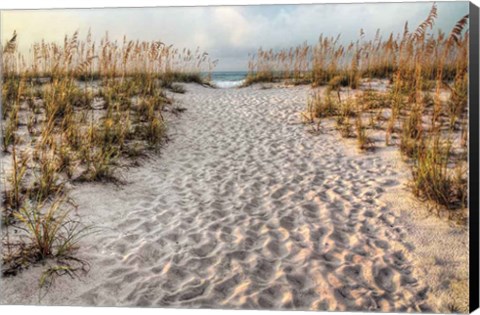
x: 228, y: 79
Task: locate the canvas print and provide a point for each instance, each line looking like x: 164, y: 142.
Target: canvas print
x: 281, y: 157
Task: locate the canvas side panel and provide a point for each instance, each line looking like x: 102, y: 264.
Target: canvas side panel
x: 473, y: 156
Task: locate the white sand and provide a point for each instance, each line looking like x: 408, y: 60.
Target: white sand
x: 246, y: 209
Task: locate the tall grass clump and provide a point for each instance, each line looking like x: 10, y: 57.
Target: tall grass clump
x: 52, y: 231
x: 435, y: 180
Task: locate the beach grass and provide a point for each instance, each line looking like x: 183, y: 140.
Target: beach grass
x: 424, y: 95
x: 76, y: 113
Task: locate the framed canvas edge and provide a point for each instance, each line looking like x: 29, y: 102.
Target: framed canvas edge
x: 474, y: 157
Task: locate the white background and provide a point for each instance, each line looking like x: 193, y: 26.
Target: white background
x: 32, y: 4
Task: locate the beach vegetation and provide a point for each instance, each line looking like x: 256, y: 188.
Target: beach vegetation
x: 77, y: 111
x: 412, y: 86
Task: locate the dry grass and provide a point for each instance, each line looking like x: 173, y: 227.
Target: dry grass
x: 75, y: 113
x: 53, y: 233
x: 434, y: 179
x: 426, y: 98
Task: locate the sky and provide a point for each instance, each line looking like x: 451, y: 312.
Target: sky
x: 227, y: 33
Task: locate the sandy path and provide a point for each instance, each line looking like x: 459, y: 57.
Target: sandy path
x: 244, y: 209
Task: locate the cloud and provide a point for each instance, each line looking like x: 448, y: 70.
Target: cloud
x: 228, y: 33
x: 234, y: 26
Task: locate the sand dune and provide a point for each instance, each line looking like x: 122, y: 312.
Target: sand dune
x: 245, y: 209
